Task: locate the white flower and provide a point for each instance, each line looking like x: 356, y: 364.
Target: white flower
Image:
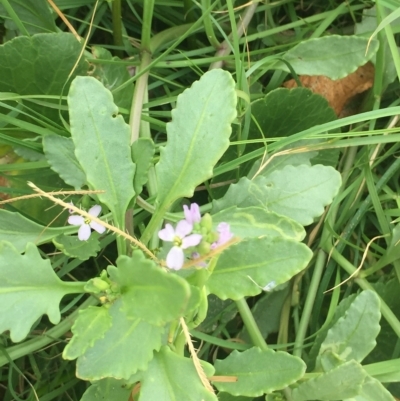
x: 181, y: 239
x: 86, y: 224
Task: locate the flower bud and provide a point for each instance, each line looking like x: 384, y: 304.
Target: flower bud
x: 204, y: 247
x: 206, y: 222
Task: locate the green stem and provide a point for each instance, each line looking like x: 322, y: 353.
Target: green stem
x: 206, y: 7
x: 148, y: 7
x: 117, y: 26
x: 31, y: 346
x: 251, y: 325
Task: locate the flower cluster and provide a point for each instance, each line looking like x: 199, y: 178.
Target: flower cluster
x: 194, y: 233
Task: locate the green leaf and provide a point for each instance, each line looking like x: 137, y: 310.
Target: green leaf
x: 254, y: 222
x: 108, y: 390
x: 75, y: 248
x: 142, y: 154
x: 59, y: 152
x: 333, y: 56
x: 90, y: 325
x: 372, y: 390
x: 112, y: 75
x: 263, y: 261
x: 125, y: 348
x: 352, y: 337
x: 171, y: 377
x: 19, y: 230
x: 29, y: 288
x: 149, y: 292
x: 23, y: 57
x: 101, y: 139
x: 230, y: 397
x: 340, y: 383
x: 198, y: 135
x: 281, y: 112
x: 298, y: 192
x: 35, y: 15
x: 258, y: 371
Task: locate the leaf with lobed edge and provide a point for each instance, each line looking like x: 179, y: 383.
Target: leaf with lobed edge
x: 198, y: 135
x: 254, y: 263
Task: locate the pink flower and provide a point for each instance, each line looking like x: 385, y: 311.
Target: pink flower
x: 192, y: 215
x: 225, y: 235
x: 86, y: 224
x: 182, y: 239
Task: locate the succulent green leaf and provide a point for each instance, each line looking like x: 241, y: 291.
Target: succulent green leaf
x: 198, y: 135
x: 142, y: 153
x: 254, y: 222
x: 101, y: 139
x: 19, y: 230
x: 29, y: 288
x: 352, y: 337
x: 257, y: 262
x: 229, y: 397
x: 298, y: 192
x: 333, y: 56
x: 108, y: 390
x: 35, y: 15
x: 281, y: 112
x: 149, y: 292
x: 24, y: 56
x: 171, y: 377
x: 126, y: 347
x: 59, y: 152
x: 343, y: 382
x: 372, y: 390
x: 75, y: 248
x: 91, y: 324
x: 258, y: 371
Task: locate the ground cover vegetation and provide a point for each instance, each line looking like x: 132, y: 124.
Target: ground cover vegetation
x: 199, y: 200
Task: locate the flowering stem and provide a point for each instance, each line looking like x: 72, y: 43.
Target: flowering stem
x: 251, y: 325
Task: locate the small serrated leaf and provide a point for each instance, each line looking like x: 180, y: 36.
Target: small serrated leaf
x: 253, y: 263
x: 333, y: 56
x: 90, y: 325
x: 29, y: 288
x: 352, y: 337
x: 75, y: 248
x: 108, y: 390
x: 59, y: 152
x: 298, y: 192
x: 126, y: 347
x: 258, y: 371
x: 254, y: 222
x: 149, y: 292
x: 340, y: 383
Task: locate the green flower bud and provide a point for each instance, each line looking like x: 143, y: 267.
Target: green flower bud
x: 206, y: 222
x: 204, y: 247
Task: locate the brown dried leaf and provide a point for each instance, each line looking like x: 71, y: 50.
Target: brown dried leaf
x: 338, y: 93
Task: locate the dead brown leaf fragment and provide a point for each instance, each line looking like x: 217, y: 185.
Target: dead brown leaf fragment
x: 340, y: 92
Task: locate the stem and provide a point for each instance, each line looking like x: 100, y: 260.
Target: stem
x: 148, y: 7
x: 31, y: 346
x: 206, y: 7
x: 251, y: 325
x: 117, y: 26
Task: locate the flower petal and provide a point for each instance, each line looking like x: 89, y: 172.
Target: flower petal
x: 95, y: 210
x: 84, y: 232
x: 192, y: 215
x: 175, y: 258
x: 76, y: 220
x: 183, y: 228
x: 97, y: 226
x: 191, y: 240
x: 167, y: 233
